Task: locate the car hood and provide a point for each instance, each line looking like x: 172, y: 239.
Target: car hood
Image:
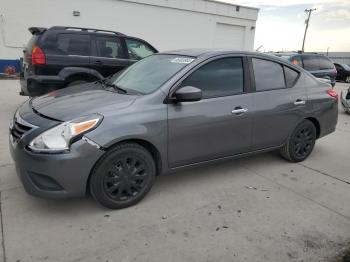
x: 72, y: 102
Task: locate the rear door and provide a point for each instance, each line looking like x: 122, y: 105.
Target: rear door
x: 220, y: 124
x: 109, y: 55
x: 279, y: 102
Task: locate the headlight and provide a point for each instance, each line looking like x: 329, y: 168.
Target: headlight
x: 58, y: 138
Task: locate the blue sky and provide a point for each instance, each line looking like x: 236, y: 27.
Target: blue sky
x: 281, y: 24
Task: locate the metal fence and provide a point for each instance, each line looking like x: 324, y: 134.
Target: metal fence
x: 339, y: 57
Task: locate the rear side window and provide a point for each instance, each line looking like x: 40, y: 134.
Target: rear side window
x: 311, y: 63
x: 110, y: 47
x: 138, y: 49
x: 68, y: 44
x: 291, y: 76
x: 325, y: 63
x: 221, y: 77
x: 268, y: 75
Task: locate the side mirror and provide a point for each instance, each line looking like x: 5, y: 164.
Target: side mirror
x: 188, y: 94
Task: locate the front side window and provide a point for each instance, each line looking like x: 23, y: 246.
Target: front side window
x: 150, y: 73
x: 221, y: 77
x: 268, y: 75
x: 138, y: 50
x: 68, y: 44
x: 109, y: 47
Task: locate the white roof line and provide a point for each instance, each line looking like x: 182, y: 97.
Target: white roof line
x: 232, y: 4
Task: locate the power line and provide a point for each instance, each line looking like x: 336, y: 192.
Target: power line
x: 308, y: 11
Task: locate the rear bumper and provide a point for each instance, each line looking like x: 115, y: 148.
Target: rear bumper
x: 39, y: 85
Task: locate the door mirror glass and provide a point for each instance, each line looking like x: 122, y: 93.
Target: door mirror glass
x: 188, y: 94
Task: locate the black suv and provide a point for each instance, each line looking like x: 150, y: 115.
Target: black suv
x: 317, y: 64
x: 64, y: 56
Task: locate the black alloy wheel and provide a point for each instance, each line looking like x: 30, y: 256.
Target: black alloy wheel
x: 301, y: 142
x: 123, y: 176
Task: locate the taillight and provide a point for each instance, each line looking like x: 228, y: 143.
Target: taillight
x: 333, y: 93
x: 38, y: 56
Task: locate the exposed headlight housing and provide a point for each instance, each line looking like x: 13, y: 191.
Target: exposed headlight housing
x: 59, y: 138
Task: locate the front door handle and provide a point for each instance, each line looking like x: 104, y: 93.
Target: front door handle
x: 239, y: 111
x: 299, y: 102
x: 98, y: 62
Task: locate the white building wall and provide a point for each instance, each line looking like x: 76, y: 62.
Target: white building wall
x: 166, y: 24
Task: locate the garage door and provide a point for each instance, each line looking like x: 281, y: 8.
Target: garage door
x: 229, y: 36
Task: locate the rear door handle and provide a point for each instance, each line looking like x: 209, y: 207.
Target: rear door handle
x: 239, y: 111
x: 98, y: 62
x: 299, y: 102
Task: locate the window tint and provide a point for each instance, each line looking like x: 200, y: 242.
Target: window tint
x: 222, y: 77
x: 109, y: 47
x: 311, y: 63
x: 268, y: 75
x: 291, y: 76
x: 325, y: 63
x: 68, y: 44
x: 138, y: 49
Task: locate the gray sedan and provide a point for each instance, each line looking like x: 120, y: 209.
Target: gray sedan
x: 169, y: 111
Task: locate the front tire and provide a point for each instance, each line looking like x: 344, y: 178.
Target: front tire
x: 123, y: 176
x: 301, y: 142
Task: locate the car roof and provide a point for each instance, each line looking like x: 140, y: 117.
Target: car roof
x: 297, y: 54
x: 210, y: 52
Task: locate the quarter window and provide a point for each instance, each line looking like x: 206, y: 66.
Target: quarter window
x: 291, y: 76
x: 268, y: 75
x: 68, y: 44
x: 222, y: 77
x: 138, y: 50
x: 109, y: 47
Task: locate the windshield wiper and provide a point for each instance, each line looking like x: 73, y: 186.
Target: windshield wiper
x: 105, y: 82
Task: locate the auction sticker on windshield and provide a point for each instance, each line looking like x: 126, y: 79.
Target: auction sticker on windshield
x: 182, y: 60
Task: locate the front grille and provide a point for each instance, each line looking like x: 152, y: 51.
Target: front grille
x: 18, y: 130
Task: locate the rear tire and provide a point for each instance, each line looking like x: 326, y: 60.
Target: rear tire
x: 123, y: 176
x: 301, y: 142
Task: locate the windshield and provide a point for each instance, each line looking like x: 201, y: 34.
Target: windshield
x: 346, y: 67
x: 150, y: 73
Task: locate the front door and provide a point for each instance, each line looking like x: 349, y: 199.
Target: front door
x: 220, y: 124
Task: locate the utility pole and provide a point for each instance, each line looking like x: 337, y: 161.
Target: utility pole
x: 308, y: 11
